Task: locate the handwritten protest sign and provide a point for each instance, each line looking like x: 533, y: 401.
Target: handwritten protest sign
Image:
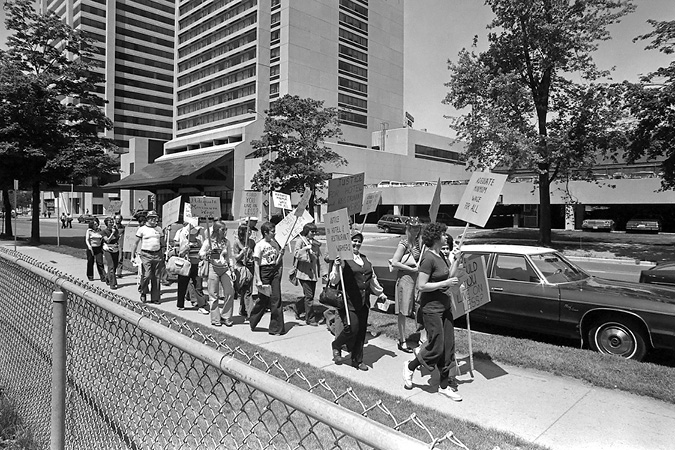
x: 281, y: 200
x: 480, y: 197
x: 474, y: 290
x: 250, y: 204
x: 170, y: 212
x: 290, y: 226
x: 338, y: 237
x: 304, y: 201
x: 114, y: 206
x: 129, y: 238
x: 371, y: 201
x: 205, y: 207
x: 346, y: 192
x: 435, y: 202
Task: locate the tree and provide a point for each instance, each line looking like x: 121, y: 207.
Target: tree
x: 525, y: 110
x: 296, y: 129
x: 50, y: 115
x: 652, y: 105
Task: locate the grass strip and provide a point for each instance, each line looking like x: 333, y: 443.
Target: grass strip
x: 14, y: 435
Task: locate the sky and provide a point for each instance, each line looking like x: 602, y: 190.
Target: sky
x: 436, y: 30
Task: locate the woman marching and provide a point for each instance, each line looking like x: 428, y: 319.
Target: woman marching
x: 216, y: 250
x: 111, y: 250
x: 243, y: 269
x: 94, y: 240
x: 435, y: 279
x: 188, y: 242
x: 359, y: 283
x: 406, y: 259
x: 307, y: 254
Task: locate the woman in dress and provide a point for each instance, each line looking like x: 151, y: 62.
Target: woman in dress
x: 406, y: 260
x: 242, y: 249
x: 435, y: 279
x: 94, y: 240
x: 268, y: 259
x: 307, y: 254
x: 111, y: 250
x: 359, y: 282
x: 216, y: 250
x: 188, y: 242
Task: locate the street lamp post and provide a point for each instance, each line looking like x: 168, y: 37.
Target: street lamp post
x: 269, y: 191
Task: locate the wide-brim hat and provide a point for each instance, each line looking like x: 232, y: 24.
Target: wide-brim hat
x: 152, y: 213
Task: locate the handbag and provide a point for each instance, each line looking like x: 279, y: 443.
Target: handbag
x: 178, y: 266
x: 332, y: 297
x: 242, y: 277
x: 203, y: 268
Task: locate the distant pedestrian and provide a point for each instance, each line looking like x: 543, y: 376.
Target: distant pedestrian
x: 94, y: 240
x: 268, y: 266
x: 149, y: 244
x: 49, y: 214
x: 63, y: 220
x: 120, y: 229
x: 69, y: 220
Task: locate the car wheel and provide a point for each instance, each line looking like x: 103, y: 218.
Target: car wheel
x: 619, y: 337
x: 386, y: 229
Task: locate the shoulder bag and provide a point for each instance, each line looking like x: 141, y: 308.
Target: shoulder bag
x: 332, y: 297
x: 178, y: 266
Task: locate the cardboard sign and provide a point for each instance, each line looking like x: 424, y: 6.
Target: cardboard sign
x: 250, y: 204
x: 129, y: 238
x: 435, y: 202
x: 371, y: 201
x: 480, y: 197
x: 170, y: 212
x: 281, y: 200
x: 346, y: 192
x: 304, y: 201
x: 474, y: 291
x: 114, y: 206
x: 290, y: 227
x: 205, y: 207
x: 338, y: 237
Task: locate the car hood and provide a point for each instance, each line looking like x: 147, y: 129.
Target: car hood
x: 637, y: 291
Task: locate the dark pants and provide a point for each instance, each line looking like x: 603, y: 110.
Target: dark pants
x: 95, y: 256
x: 183, y: 283
x: 243, y: 292
x: 269, y: 275
x: 306, y: 304
x: 112, y: 260
x: 439, y: 349
x: 354, y: 335
x: 153, y: 263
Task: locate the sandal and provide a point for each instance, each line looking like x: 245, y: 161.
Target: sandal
x: 403, y: 346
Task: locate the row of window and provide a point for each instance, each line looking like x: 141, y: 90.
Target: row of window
x: 143, y: 85
x: 352, y: 85
x: 217, y: 36
x: 437, y: 154
x: 354, y: 8
x: 142, y: 121
x: 354, y: 38
x: 352, y: 102
x: 143, y: 109
x: 353, y: 54
x: 242, y: 74
x: 133, y: 95
x: 88, y: 22
x: 224, y: 97
x: 350, y: 118
x: 353, y: 23
x: 193, y: 4
x: 143, y: 133
x: 167, y: 31
x: 215, y: 6
x: 88, y: 9
x: 168, y: 20
x: 221, y: 49
x: 220, y: 66
x: 145, y: 61
x: 144, y: 49
x: 226, y: 113
x: 353, y: 70
x: 144, y: 73
x: 122, y: 31
x: 167, y: 8
x: 213, y: 22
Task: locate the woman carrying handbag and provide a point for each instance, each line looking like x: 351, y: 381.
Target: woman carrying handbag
x: 307, y: 258
x: 188, y: 242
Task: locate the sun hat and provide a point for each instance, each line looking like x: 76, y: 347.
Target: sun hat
x: 356, y: 234
x: 152, y: 213
x: 413, y: 222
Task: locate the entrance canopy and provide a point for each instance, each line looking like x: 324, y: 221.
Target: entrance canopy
x: 173, y: 172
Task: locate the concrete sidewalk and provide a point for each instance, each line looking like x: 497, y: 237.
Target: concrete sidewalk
x: 557, y: 412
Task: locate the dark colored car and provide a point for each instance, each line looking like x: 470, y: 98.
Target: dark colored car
x: 86, y: 218
x: 537, y: 289
x: 643, y: 225
x: 391, y: 223
x: 662, y: 274
x: 598, y: 224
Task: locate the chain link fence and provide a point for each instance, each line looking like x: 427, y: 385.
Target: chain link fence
x: 137, y: 379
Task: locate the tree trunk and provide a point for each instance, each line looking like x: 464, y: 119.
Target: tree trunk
x: 544, y: 206
x: 35, y: 222
x: 8, y: 212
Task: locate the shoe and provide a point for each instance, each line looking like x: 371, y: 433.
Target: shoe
x: 312, y: 324
x: 204, y: 311
x: 404, y: 347
x: 322, y: 321
x: 181, y: 308
x: 112, y: 288
x: 156, y: 302
x: 337, y: 356
x: 144, y: 299
x: 360, y: 366
x: 407, y: 376
x: 194, y: 304
x: 451, y: 393
x: 91, y: 278
x: 216, y: 324
x: 227, y: 322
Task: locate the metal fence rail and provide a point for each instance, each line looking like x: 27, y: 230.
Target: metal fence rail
x: 137, y: 379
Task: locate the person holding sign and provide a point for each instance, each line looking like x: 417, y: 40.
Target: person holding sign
x: 216, y: 250
x: 434, y: 280
x: 360, y: 282
x: 406, y: 259
x: 242, y: 249
x: 307, y: 254
x: 268, y: 259
x: 187, y: 242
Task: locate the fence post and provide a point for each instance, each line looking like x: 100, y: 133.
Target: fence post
x: 58, y: 422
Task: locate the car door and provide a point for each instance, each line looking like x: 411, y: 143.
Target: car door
x: 519, y: 298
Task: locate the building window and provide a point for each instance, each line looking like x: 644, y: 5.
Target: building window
x: 437, y: 154
x: 274, y: 88
x: 275, y: 37
x: 275, y: 18
x: 353, y: 23
x: 359, y: 88
x: 355, y: 71
x: 350, y: 118
x: 353, y: 54
x: 352, y: 7
x: 352, y: 102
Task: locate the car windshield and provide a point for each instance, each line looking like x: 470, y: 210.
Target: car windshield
x: 556, y: 269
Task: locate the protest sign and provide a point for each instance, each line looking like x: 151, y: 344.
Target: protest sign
x: 435, y: 202
x: 281, y: 200
x: 304, y: 201
x: 338, y: 237
x: 290, y: 226
x: 250, y: 204
x: 208, y: 207
x: 170, y: 212
x: 114, y: 206
x: 371, y: 201
x: 474, y: 290
x: 346, y: 192
x: 129, y: 238
x: 480, y: 197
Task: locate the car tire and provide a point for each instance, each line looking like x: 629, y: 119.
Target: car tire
x: 618, y: 336
x: 386, y: 229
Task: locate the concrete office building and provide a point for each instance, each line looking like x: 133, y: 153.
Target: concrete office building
x: 233, y: 57
x: 134, y: 42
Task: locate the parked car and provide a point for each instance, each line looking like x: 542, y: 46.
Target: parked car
x: 663, y: 274
x: 539, y: 290
x: 390, y: 223
x: 643, y: 225
x: 598, y: 224
x: 86, y: 218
